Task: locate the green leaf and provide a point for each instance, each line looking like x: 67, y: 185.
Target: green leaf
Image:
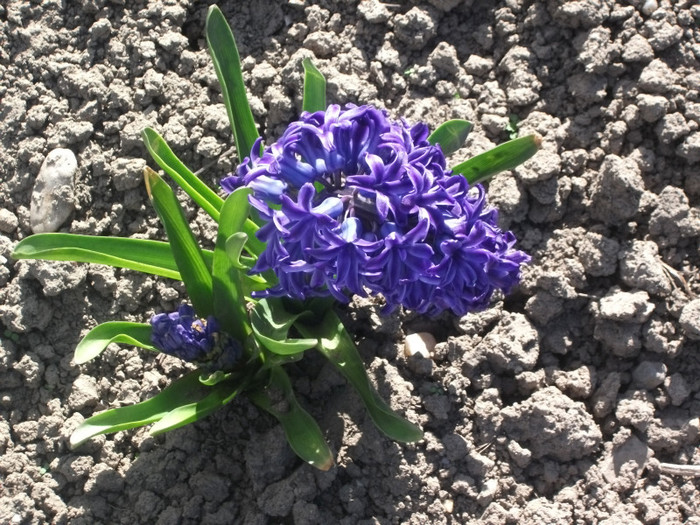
x: 202, y: 194
x: 314, y: 88
x: 153, y: 257
x: 180, y: 392
x: 227, y: 63
x: 271, y: 323
x: 97, y: 339
x: 504, y: 157
x: 301, y: 430
x: 213, y: 378
x: 451, y: 135
x: 188, y: 256
x: 235, y: 246
x: 229, y: 299
x: 219, y: 395
x: 337, y: 345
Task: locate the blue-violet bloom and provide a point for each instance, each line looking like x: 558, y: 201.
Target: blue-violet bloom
x: 354, y: 201
x: 182, y: 334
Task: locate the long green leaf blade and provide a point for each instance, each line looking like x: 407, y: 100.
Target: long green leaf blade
x: 314, y: 88
x: 337, y: 346
x: 504, y: 157
x: 220, y: 395
x: 186, y: 251
x: 179, y: 393
x: 229, y: 299
x: 301, y: 430
x: 97, y: 339
x: 202, y: 194
x: 142, y: 255
x: 227, y: 63
x: 451, y: 135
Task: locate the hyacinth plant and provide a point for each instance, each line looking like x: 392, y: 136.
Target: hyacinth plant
x: 346, y: 202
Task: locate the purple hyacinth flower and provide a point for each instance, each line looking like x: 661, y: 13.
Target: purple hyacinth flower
x: 200, y: 341
x: 355, y: 202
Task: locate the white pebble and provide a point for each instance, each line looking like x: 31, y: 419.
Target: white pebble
x: 421, y: 343
x: 649, y: 7
x: 53, y: 195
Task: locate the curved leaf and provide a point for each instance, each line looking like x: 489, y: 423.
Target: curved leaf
x: 301, y: 430
x: 220, y: 395
x: 179, y: 393
x: 314, y: 88
x: 97, y: 339
x: 142, y: 255
x: 202, y: 194
x: 227, y: 63
x: 451, y: 135
x: 337, y: 345
x: 188, y: 256
x: 504, y: 157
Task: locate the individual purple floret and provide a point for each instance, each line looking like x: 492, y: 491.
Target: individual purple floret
x: 182, y: 334
x: 354, y: 201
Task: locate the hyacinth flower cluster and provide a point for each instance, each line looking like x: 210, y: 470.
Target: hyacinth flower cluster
x: 201, y: 341
x: 353, y: 201
x: 346, y: 201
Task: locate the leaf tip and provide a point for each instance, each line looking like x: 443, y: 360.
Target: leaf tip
x: 149, y: 176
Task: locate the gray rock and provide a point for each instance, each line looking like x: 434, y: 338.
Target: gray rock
x: 55, y: 277
x: 689, y: 149
x: 53, y: 194
x: 513, y: 345
x: 324, y: 44
x: 672, y: 128
x: 649, y: 374
x: 127, y: 173
x: 84, y: 393
x: 636, y: 409
x: 661, y: 33
x: 596, y: 52
x: 626, y: 461
x: 444, y: 58
x: 690, y: 319
x: 626, y: 306
x: 622, y: 339
x: 374, y: 11
x: 677, y: 388
x: 8, y: 221
x: 550, y: 424
x: 606, y: 394
x: 616, y: 193
x: 577, y: 383
x: 598, y: 254
x: 652, y: 107
x: 416, y: 27
x: 662, y: 338
x: 641, y: 267
x: 637, y: 49
x: 657, y: 77
x: 583, y: 13
x: 210, y: 486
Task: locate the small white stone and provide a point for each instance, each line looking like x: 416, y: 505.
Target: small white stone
x: 649, y: 7
x: 53, y: 194
x: 422, y: 343
x: 448, y: 505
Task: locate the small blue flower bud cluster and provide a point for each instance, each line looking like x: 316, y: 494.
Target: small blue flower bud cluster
x: 182, y: 334
x: 354, y: 201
